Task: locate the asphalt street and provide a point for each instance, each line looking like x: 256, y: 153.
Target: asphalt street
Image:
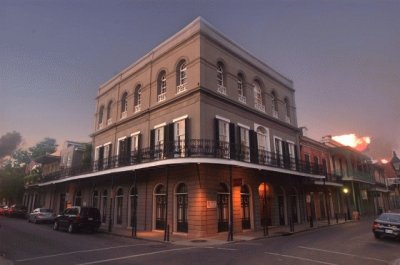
x: 351, y: 243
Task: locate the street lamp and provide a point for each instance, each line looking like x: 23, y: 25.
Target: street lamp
x: 346, y: 194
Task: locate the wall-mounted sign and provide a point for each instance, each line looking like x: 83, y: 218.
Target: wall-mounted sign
x: 211, y: 204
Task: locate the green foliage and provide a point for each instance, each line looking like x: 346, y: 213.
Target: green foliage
x: 44, y: 147
x: 87, y: 155
x: 34, y: 175
x: 21, y: 157
x: 11, y: 184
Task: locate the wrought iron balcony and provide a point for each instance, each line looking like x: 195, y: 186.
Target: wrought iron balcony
x: 193, y: 148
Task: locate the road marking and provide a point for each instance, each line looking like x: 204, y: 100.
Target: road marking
x: 345, y: 254
x: 230, y: 249
x: 81, y: 251
x: 135, y: 256
x: 300, y: 258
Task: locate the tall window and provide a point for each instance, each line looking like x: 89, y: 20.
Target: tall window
x: 263, y: 144
x: 78, y: 198
x: 223, y: 207
x: 278, y: 151
x: 181, y: 76
x: 161, y: 86
x: 258, y: 102
x: 138, y: 98
x: 95, y: 199
x: 104, y: 199
x: 133, y: 206
x: 220, y: 79
x: 101, y: 113
x: 179, y: 137
x: 109, y: 106
x: 245, y: 203
x: 274, y: 102
x: 119, y: 199
x: 240, y: 87
x: 181, y: 208
x: 160, y: 206
x: 157, y: 141
x: 124, y: 105
x: 244, y: 144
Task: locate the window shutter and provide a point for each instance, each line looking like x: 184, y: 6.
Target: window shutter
x: 240, y: 156
x: 296, y: 157
x: 152, y: 142
x: 169, y: 140
x: 128, y: 143
x: 216, y: 136
x: 285, y: 154
x: 253, y: 146
x: 139, y: 148
x: 232, y: 141
x: 187, y: 137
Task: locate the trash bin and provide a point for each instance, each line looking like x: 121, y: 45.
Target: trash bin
x: 356, y: 215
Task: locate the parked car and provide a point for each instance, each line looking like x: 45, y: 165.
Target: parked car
x: 40, y: 215
x: 18, y: 211
x: 2, y: 209
x: 77, y: 218
x: 6, y: 210
x: 388, y: 225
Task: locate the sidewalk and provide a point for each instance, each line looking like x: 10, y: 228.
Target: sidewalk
x: 221, y: 238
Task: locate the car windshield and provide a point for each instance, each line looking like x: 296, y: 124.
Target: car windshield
x: 390, y: 217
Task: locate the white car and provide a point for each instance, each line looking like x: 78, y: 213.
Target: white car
x: 40, y: 215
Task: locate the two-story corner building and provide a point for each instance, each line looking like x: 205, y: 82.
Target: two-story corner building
x: 324, y: 196
x: 197, y: 137
x: 380, y: 191
x: 355, y: 169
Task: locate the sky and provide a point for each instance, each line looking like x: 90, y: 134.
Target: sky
x: 343, y: 57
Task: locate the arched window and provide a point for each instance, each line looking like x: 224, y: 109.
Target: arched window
x: 181, y: 76
x: 245, y: 203
x: 124, y: 104
x: 181, y: 208
x: 240, y: 87
x: 274, y: 102
x: 220, y: 74
x: 95, y: 199
x: 109, y: 106
x: 119, y: 199
x: 258, y: 101
x: 78, y: 198
x: 101, y: 113
x: 132, y: 206
x: 223, y: 207
x: 137, y: 98
x: 104, y: 199
x: 161, y: 86
x: 160, y: 206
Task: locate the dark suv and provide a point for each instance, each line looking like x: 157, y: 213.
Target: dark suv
x: 77, y: 218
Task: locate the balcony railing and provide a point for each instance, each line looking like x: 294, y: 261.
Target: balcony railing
x: 242, y: 99
x: 181, y: 88
x: 259, y: 106
x: 162, y: 97
x: 137, y: 108
x: 221, y: 89
x: 193, y: 148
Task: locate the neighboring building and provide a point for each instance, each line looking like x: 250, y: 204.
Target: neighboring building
x: 355, y: 169
x: 197, y: 137
x: 72, y: 154
x: 324, y: 198
x: 380, y: 190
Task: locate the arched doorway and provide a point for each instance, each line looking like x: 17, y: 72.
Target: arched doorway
x: 132, y: 207
x: 104, y: 206
x: 181, y: 208
x: 119, y: 198
x: 245, y: 205
x: 160, y: 197
x: 223, y: 207
x: 265, y: 195
x: 281, y: 205
x: 293, y: 205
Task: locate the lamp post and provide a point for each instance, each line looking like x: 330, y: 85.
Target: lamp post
x: 346, y: 194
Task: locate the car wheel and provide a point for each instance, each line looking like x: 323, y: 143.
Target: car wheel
x: 376, y: 235
x: 70, y: 228
x: 55, y: 226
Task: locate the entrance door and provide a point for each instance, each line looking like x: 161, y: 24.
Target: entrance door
x: 293, y: 207
x: 223, y: 208
x: 161, y: 207
x: 265, y: 203
x: 281, y: 208
x: 245, y: 203
x: 181, y: 206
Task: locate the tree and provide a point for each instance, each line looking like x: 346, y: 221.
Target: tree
x: 44, y: 147
x: 11, y: 184
x: 9, y: 142
x: 21, y: 157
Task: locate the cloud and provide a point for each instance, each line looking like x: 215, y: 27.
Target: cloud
x: 9, y: 142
